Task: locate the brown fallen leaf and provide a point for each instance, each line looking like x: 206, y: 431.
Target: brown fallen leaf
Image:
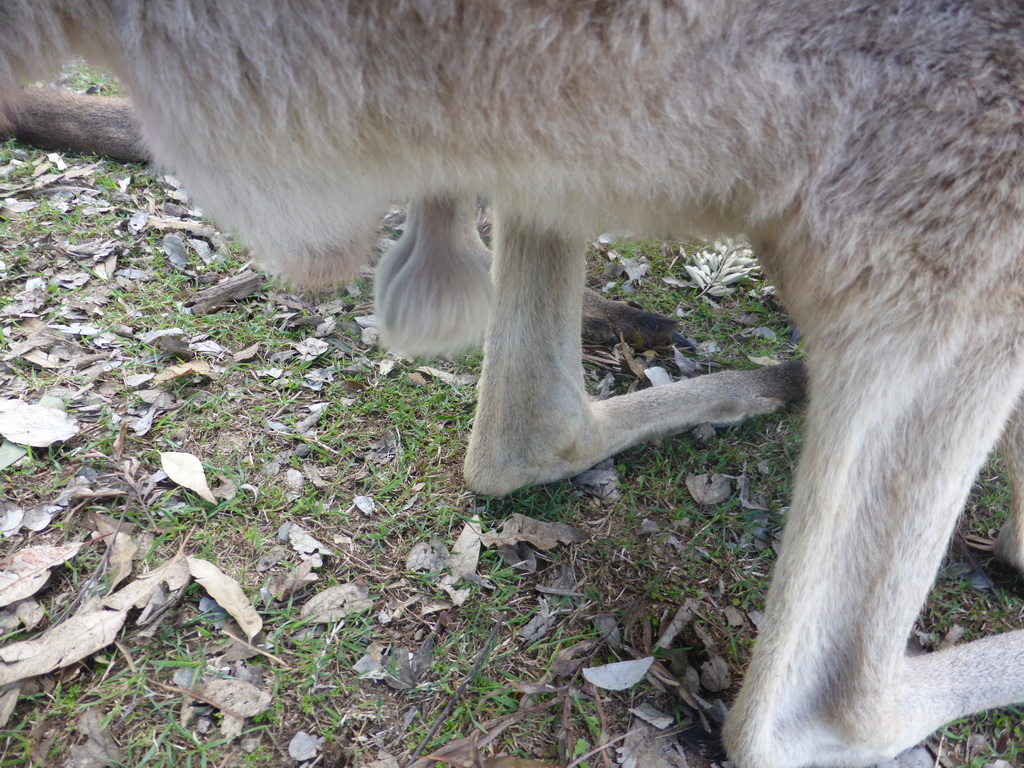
x: 285, y: 585
x: 25, y: 572
x: 192, y: 367
x: 644, y: 747
x: 540, y: 534
x: 8, y: 699
x: 100, y: 750
x: 137, y: 594
x: 466, y: 550
x: 631, y: 362
x: 236, y: 698
x: 247, y: 354
x: 715, y: 674
x: 71, y: 641
x: 228, y: 594
x: 709, y: 489
x: 447, y: 378
x: 337, y: 602
x: 187, y: 471
x: 122, y: 548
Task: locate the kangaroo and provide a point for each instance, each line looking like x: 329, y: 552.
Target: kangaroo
x: 103, y: 125
x: 873, y: 152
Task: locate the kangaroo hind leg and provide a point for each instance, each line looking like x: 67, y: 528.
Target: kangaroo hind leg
x: 896, y: 431
x: 1010, y: 543
x: 535, y: 422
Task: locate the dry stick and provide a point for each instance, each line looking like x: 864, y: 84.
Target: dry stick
x: 257, y: 649
x: 602, y: 748
x: 599, y: 706
x: 484, y: 652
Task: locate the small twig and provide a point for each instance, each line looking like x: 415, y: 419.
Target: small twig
x: 601, y: 748
x: 484, y: 653
x: 601, y: 719
x: 127, y: 657
x: 257, y: 649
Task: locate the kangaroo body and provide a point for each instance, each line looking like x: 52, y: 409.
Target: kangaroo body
x: 107, y: 126
x: 872, y: 151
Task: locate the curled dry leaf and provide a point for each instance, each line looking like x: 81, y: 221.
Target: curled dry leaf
x: 8, y: 699
x: 37, y: 425
x: 137, y: 594
x: 23, y: 573
x: 122, y: 549
x: 285, y: 585
x: 655, y: 717
x: 191, y: 368
x: 764, y: 361
x: 466, y: 550
x: 187, y: 471
x: 540, y: 534
x: 336, y: 603
x: 227, y: 593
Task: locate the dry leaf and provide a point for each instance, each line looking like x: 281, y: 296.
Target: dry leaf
x: 11, y: 454
x: 658, y: 376
x: 23, y: 573
x: 72, y: 641
x: 466, y: 550
x: 285, y: 585
x: 36, y: 425
x: 448, y: 378
x: 427, y: 557
x: 137, y: 594
x: 303, y: 543
x: 100, y: 750
x: 8, y: 699
x: 303, y: 746
x: 122, y: 549
x: 192, y: 367
x: 709, y: 489
x: 655, y: 717
x: 227, y: 593
x: 383, y: 761
x: 247, y: 354
x: 620, y: 675
x: 715, y: 674
x: 336, y: 603
x: 646, y: 748
x: 542, y: 535
x: 238, y: 697
x: 187, y: 471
